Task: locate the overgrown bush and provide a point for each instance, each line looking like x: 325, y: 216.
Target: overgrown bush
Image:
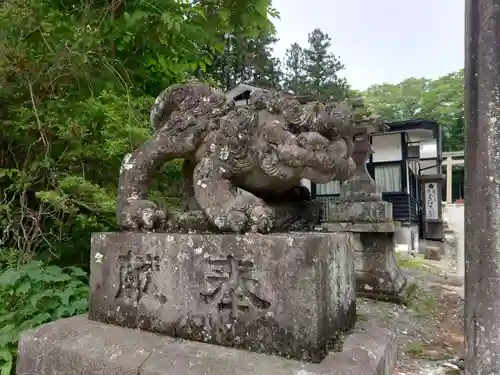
x: 34, y: 294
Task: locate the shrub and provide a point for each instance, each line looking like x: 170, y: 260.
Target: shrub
x: 34, y: 294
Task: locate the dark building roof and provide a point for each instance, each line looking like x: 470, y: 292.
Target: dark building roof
x: 431, y: 125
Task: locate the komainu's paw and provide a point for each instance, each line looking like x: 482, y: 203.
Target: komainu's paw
x: 259, y: 218
x: 141, y: 215
x: 262, y: 219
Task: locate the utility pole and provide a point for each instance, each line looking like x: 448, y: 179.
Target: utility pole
x: 482, y: 187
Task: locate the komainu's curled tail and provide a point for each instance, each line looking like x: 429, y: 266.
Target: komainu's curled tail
x: 195, y: 99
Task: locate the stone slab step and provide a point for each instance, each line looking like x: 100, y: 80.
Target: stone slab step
x: 78, y: 346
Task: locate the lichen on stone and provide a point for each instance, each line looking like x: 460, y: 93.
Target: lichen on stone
x: 264, y: 148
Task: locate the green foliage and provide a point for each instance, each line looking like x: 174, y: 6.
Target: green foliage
x: 314, y: 70
x: 441, y: 100
x: 34, y: 294
x: 422, y: 304
x: 77, y: 79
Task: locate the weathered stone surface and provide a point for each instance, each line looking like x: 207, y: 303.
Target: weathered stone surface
x: 288, y: 216
x: 285, y: 294
x: 359, y: 212
x: 361, y: 186
x: 375, y: 263
x: 361, y: 190
x: 389, y: 227
x: 78, y: 346
x: 433, y: 252
x: 377, y: 272
x: 265, y: 148
x: 300, y: 216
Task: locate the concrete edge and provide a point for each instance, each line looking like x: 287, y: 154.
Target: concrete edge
x: 77, y: 345
x: 372, y: 349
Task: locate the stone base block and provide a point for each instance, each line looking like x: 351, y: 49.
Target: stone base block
x: 287, y: 294
x: 370, y: 211
x: 76, y: 346
x: 377, y: 271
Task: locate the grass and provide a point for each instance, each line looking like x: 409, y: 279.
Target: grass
x: 413, y: 263
x: 422, y: 305
x: 414, y: 349
x: 419, y: 350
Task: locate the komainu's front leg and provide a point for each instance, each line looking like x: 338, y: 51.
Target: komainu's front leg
x: 134, y: 211
x: 224, y: 207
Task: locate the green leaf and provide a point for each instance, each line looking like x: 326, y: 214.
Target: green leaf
x: 9, y: 336
x: 23, y: 289
x: 6, y: 368
x: 35, y: 321
x: 80, y: 306
x: 66, y: 295
x: 10, y: 277
x: 60, y: 312
x: 76, y: 272
x: 8, y: 359
x: 31, y: 266
x: 56, y: 274
x: 36, y: 275
x: 7, y: 317
x: 6, y: 355
x: 39, y: 296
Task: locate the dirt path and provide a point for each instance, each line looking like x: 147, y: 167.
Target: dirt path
x: 430, y: 329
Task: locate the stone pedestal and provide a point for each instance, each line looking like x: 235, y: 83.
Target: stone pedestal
x: 362, y: 211
x: 290, y: 295
x: 377, y: 272
x: 285, y: 294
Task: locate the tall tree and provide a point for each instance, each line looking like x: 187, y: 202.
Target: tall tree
x: 322, y: 68
x: 295, y: 76
x: 441, y: 100
x: 266, y: 69
x: 245, y: 55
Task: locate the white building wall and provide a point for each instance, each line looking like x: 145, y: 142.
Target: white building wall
x: 429, y: 163
x: 387, y: 147
x: 428, y: 149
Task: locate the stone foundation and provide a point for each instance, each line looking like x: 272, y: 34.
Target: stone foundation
x: 76, y: 346
x: 286, y: 294
x: 375, y: 264
x: 377, y: 272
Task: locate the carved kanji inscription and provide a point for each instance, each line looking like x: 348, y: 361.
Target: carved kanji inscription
x: 135, y: 272
x: 230, y: 285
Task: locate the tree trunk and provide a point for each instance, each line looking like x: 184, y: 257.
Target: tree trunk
x: 482, y: 187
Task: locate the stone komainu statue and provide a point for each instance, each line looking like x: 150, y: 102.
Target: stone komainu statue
x: 265, y: 148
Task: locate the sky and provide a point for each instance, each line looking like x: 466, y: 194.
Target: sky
x: 380, y: 41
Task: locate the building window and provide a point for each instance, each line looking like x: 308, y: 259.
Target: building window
x: 389, y: 177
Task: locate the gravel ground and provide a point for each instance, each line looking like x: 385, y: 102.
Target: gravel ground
x: 430, y: 328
